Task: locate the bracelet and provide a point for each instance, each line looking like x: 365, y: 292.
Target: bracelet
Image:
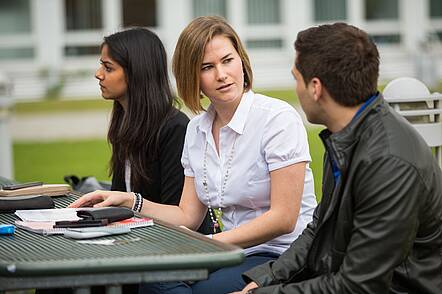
x: 138, y: 202
x: 210, y: 236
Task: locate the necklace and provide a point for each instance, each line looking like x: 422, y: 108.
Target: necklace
x: 213, y: 217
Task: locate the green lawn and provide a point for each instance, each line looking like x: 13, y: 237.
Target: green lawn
x: 49, y: 162
x: 98, y: 103
x: 92, y: 103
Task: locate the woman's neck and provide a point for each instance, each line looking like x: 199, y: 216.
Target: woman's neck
x: 123, y: 103
x: 225, y: 112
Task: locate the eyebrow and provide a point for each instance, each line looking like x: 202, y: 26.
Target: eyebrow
x: 222, y: 58
x: 106, y: 62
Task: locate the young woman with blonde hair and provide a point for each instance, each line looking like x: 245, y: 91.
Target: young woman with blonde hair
x: 246, y: 157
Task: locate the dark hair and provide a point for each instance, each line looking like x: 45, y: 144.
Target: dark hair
x: 343, y: 57
x: 189, y: 55
x: 134, y: 135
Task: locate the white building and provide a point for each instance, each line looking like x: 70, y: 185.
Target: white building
x: 52, y: 45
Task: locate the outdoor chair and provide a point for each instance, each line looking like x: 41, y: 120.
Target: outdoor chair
x: 412, y: 99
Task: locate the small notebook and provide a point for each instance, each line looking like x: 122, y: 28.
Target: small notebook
x: 46, y: 228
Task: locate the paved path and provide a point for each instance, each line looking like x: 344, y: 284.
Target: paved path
x: 58, y: 126
x: 65, y: 126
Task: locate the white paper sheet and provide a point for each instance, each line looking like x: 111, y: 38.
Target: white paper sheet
x: 48, y: 215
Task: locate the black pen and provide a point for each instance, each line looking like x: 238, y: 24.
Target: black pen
x: 81, y: 223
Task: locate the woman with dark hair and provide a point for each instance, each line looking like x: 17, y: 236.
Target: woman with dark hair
x: 146, y: 130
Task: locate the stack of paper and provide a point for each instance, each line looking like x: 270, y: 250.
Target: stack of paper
x: 41, y: 221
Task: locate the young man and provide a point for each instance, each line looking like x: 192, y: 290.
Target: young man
x: 378, y: 228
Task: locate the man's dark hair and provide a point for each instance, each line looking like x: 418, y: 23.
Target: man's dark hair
x: 343, y: 57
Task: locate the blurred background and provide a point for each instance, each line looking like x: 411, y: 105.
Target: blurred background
x: 53, y: 121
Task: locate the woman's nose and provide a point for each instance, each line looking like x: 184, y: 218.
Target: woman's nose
x: 99, y: 74
x: 221, y: 74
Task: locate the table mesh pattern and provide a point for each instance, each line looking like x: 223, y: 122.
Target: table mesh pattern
x: 154, y: 241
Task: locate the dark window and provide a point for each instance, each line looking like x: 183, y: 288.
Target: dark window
x: 264, y: 44
x: 263, y: 12
x: 81, y: 50
x: 141, y: 13
x: 381, y: 9
x: 435, y: 8
x: 83, y: 15
x: 326, y: 10
x: 15, y: 16
x: 209, y: 7
x: 16, y: 53
x: 386, y: 39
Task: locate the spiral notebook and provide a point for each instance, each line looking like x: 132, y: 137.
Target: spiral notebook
x: 46, y: 228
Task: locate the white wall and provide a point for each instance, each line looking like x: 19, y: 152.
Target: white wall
x: 271, y: 66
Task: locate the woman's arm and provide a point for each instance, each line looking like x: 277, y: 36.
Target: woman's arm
x: 287, y: 185
x: 189, y: 213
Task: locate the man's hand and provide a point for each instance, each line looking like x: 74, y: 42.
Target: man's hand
x: 250, y: 286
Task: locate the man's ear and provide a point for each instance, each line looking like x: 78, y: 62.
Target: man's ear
x: 316, y: 88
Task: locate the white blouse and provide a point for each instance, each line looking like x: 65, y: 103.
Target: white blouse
x: 267, y: 134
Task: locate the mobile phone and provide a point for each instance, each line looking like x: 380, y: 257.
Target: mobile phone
x: 22, y: 185
x: 81, y: 223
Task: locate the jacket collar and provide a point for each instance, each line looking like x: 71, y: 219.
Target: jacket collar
x: 340, y: 144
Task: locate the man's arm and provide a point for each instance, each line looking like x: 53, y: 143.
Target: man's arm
x: 385, y: 222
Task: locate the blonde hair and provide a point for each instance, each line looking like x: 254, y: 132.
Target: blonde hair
x: 189, y: 54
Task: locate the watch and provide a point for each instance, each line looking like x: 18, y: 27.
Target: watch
x: 251, y: 291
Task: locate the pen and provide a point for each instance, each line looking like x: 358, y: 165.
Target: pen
x: 81, y: 223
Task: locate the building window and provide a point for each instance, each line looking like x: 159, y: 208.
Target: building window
x: 141, y: 13
x: 264, y: 44
x: 263, y: 12
x: 435, y: 8
x: 15, y: 17
x: 82, y: 50
x: 16, y: 53
x: 391, y: 39
x: 83, y: 15
x: 326, y: 10
x: 381, y: 9
x: 209, y: 7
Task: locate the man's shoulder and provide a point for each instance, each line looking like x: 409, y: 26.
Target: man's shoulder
x: 385, y: 135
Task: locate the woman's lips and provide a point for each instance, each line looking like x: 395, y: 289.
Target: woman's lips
x: 224, y: 87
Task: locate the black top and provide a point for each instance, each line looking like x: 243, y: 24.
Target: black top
x: 167, y: 174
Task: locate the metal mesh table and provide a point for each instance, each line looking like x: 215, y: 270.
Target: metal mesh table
x: 163, y: 253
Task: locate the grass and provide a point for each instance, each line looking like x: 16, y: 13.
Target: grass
x: 92, y: 103
x: 97, y: 103
x: 49, y: 162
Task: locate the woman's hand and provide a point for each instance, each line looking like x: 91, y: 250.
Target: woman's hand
x: 104, y: 198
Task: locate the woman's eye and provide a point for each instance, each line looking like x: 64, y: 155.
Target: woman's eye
x: 108, y: 69
x: 228, y: 60
x: 207, y: 67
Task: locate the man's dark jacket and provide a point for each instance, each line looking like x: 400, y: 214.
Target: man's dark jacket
x: 380, y: 229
